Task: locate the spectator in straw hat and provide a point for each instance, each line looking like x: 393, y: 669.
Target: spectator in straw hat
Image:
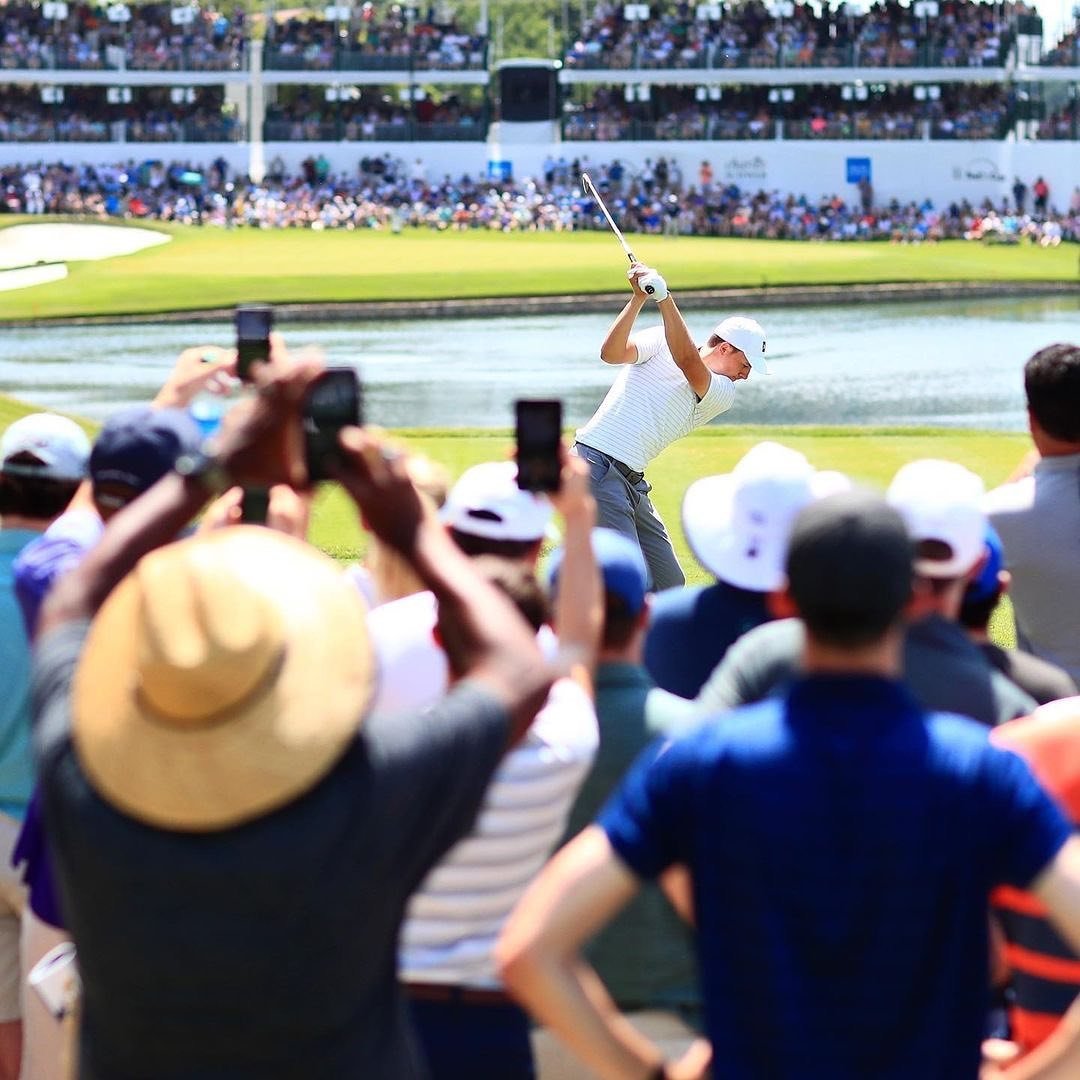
x: 233, y: 846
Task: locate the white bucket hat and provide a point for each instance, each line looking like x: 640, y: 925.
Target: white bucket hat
x: 738, y: 523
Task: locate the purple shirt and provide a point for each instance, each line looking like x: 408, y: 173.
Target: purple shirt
x: 45, y: 560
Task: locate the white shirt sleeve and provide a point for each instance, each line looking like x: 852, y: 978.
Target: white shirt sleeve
x: 649, y: 343
x: 718, y: 398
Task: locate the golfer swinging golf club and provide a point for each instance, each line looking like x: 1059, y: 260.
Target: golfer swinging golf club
x: 668, y: 386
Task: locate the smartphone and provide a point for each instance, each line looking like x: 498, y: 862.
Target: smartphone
x: 538, y: 432
x: 334, y: 401
x: 255, y: 506
x: 253, y: 325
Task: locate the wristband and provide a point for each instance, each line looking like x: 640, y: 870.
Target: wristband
x: 204, y: 468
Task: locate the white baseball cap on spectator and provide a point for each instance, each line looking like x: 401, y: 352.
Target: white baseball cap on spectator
x: 487, y: 502
x: 747, y: 336
x: 49, y: 447
x: 941, y: 504
x: 738, y: 523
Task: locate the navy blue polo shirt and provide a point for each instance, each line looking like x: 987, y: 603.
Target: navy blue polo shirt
x: 842, y: 846
x: 690, y: 629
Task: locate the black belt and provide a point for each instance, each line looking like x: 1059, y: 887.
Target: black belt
x: 632, y: 476
x: 446, y: 994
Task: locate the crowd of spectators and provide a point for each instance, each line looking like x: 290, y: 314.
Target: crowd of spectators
x: 372, y: 114
x: 86, y: 115
x: 961, y: 34
x: 1063, y: 123
x: 964, y: 111
x: 1066, y: 53
x: 391, y: 195
x: 148, y: 41
x: 378, y: 35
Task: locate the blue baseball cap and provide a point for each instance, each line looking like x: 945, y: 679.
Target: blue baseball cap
x: 137, y: 446
x: 986, y: 584
x: 621, y: 566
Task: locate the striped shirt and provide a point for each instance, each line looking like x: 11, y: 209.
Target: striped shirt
x: 1045, y: 971
x: 651, y: 404
x: 454, y: 919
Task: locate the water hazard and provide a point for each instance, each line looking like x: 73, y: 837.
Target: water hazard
x: 939, y: 363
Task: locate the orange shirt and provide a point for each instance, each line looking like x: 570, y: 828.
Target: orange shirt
x: 1045, y: 970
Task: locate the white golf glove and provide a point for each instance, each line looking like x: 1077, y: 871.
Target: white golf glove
x: 654, y: 285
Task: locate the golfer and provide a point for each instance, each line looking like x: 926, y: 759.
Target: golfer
x: 668, y: 387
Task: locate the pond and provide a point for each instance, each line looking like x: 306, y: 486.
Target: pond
x: 939, y: 363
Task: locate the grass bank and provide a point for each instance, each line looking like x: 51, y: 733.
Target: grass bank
x: 869, y: 455
x: 211, y: 267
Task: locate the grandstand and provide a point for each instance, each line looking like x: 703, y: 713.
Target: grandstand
x: 939, y: 99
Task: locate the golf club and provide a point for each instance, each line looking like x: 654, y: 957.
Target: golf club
x: 590, y: 189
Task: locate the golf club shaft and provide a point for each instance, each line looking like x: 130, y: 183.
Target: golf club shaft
x: 590, y: 190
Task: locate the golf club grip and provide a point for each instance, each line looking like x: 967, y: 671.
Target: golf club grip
x: 630, y: 255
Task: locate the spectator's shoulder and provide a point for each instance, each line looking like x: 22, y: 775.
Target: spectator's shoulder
x: 1010, y: 498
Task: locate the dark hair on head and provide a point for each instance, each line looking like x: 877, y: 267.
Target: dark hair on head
x: 481, y: 545
x: 846, y: 629
x: 619, y: 622
x: 1052, y: 384
x: 975, y: 614
x: 34, y: 497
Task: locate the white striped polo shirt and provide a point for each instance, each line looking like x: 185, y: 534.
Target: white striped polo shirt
x: 651, y: 404
x: 454, y: 919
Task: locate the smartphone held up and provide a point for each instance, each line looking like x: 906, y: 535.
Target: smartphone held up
x: 538, y: 436
x: 334, y: 401
x: 254, y: 322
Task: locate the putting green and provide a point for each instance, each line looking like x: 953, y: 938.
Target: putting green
x: 211, y: 267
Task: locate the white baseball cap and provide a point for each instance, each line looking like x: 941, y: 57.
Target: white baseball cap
x: 748, y: 337
x: 58, y: 447
x: 941, y: 501
x: 487, y: 502
x: 738, y: 523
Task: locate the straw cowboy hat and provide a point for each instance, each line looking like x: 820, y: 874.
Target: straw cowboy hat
x: 224, y: 677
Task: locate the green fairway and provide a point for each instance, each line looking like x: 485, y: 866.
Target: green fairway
x: 208, y: 268
x: 869, y: 455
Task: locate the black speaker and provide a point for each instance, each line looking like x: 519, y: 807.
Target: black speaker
x: 528, y: 94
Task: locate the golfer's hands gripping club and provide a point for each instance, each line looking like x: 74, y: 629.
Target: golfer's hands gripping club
x: 647, y: 282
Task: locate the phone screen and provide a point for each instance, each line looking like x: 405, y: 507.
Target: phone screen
x: 538, y: 430
x: 333, y: 402
x: 253, y: 325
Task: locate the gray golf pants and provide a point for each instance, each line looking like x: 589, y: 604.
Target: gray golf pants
x: 623, y: 504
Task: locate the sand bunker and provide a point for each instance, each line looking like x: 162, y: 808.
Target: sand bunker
x: 29, y: 245
x: 31, y: 275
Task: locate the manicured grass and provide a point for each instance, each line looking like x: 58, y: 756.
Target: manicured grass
x: 869, y: 455
x: 211, y: 267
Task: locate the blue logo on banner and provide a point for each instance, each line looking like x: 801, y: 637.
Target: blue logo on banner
x: 500, y: 170
x: 858, y: 168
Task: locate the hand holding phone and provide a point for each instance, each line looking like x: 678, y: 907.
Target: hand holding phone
x: 333, y: 401
x: 253, y: 325
x: 538, y: 434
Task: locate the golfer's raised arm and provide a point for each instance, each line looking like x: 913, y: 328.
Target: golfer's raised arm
x: 682, y: 348
x: 616, y: 347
